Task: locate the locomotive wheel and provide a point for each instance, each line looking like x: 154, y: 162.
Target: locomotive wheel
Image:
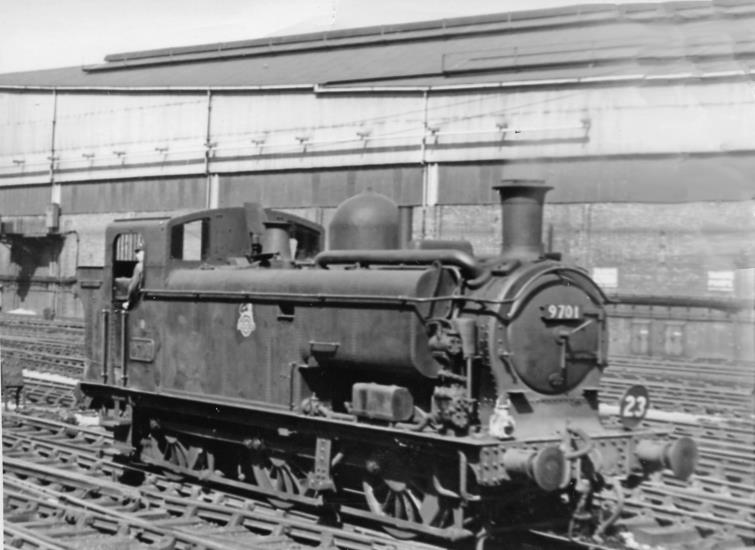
x: 400, y: 499
x: 275, y: 474
x: 192, y: 458
x: 175, y: 453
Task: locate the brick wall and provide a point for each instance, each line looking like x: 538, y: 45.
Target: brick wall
x: 663, y: 249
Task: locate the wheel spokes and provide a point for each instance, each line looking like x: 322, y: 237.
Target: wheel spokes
x: 398, y: 506
x: 175, y: 453
x: 277, y: 476
x: 405, y: 501
x: 396, y: 500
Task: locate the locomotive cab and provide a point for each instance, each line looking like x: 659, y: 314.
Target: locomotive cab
x: 204, y: 240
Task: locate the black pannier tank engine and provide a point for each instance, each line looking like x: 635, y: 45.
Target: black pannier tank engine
x: 422, y: 388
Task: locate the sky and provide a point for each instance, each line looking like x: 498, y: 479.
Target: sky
x: 42, y: 34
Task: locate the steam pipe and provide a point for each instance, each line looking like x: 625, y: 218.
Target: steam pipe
x: 441, y: 244
x: 475, y: 274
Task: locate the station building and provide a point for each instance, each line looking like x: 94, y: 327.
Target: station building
x: 640, y: 116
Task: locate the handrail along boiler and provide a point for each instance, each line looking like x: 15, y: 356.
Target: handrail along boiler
x: 421, y: 388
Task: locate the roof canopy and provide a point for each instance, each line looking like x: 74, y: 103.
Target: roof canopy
x: 582, y: 41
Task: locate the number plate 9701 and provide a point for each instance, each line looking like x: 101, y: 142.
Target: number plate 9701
x: 552, y: 312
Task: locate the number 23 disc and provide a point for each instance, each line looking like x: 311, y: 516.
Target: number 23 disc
x: 633, y: 406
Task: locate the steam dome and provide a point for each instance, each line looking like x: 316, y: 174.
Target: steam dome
x: 367, y: 221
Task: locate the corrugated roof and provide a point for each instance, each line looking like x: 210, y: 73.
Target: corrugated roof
x: 580, y: 41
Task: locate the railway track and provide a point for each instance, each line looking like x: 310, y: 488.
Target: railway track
x: 71, y: 366
x: 38, y: 449
x: 40, y: 390
x: 695, y: 387
x: 679, y: 397
x: 47, y: 346
x: 701, y: 373
x: 60, y: 493
x: 29, y: 325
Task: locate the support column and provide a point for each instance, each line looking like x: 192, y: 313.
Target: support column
x: 213, y: 191
x: 744, y: 288
x: 55, y: 187
x: 53, y: 210
x: 430, y: 214
x: 211, y: 180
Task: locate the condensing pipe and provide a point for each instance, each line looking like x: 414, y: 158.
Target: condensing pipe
x: 475, y: 274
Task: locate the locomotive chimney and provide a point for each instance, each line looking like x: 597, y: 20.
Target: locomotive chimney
x: 522, y: 213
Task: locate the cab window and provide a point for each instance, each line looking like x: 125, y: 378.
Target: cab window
x: 190, y: 241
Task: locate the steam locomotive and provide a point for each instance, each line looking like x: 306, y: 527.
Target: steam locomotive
x: 419, y: 388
